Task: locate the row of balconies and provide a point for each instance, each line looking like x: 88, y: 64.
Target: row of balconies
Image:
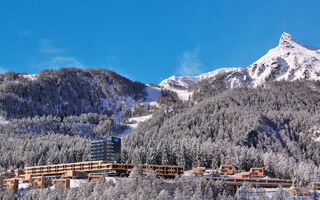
x: 95, y: 166
x: 91, y: 163
x: 47, y: 170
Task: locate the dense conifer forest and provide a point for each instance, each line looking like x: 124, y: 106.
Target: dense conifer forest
x: 275, y: 127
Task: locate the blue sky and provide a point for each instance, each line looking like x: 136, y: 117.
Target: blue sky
x: 149, y: 40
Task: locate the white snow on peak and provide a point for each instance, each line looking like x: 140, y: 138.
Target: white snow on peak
x: 290, y: 60
x: 187, y: 81
x: 285, y: 37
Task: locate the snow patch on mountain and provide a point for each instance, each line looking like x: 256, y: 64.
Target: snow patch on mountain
x: 182, y: 93
x: 3, y: 120
x: 31, y: 77
x: 134, y: 121
x: 151, y: 98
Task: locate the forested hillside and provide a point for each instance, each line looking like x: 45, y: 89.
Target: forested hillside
x: 52, y: 115
x: 65, y: 92
x: 274, y: 127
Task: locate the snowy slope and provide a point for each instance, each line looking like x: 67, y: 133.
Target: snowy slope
x: 134, y: 121
x: 290, y: 60
x: 180, y: 84
x: 187, y: 81
x: 152, y: 94
x: 151, y: 98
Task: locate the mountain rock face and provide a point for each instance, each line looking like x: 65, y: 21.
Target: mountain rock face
x: 290, y: 60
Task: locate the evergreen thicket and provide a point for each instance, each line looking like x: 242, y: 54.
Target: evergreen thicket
x: 274, y: 127
x: 19, y: 151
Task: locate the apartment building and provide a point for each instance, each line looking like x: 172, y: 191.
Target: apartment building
x: 107, y: 149
x: 111, y: 169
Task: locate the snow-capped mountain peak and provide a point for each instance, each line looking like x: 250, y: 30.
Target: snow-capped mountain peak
x: 285, y: 38
x: 290, y: 60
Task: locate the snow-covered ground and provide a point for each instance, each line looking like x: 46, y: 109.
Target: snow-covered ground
x: 134, y: 121
x: 3, y: 120
x: 24, y: 185
x: 113, y: 179
x: 77, y: 182
x: 152, y: 94
x: 31, y: 77
x: 184, y: 95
